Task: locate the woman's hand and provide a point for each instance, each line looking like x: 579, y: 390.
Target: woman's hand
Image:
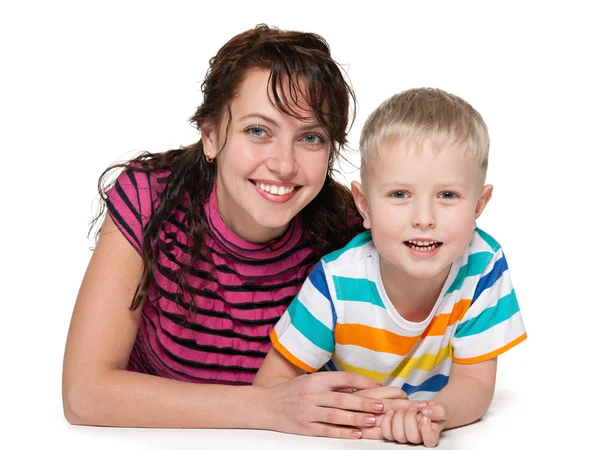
x: 313, y: 405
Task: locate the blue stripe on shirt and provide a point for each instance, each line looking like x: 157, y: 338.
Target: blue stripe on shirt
x: 434, y: 384
x: 319, y: 281
x: 476, y: 264
x: 488, y: 280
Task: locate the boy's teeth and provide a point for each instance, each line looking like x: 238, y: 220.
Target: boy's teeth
x: 276, y: 190
x: 420, y: 243
x: 423, y: 249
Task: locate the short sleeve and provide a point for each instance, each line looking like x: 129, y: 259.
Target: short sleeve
x: 493, y: 323
x: 305, y: 333
x: 130, y: 205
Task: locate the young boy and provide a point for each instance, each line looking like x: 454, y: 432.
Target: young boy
x: 423, y: 300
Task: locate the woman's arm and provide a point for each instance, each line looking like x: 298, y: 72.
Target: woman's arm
x: 97, y: 390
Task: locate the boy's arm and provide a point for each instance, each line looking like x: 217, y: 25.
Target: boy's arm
x: 275, y: 370
x: 469, y: 392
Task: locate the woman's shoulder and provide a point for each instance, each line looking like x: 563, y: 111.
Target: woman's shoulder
x: 133, y: 197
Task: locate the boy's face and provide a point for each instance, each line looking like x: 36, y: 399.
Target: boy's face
x: 421, y: 205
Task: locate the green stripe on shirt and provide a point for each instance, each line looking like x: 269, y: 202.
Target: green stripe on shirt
x: 476, y: 264
x: 357, y: 290
x: 311, y: 327
x: 503, y: 310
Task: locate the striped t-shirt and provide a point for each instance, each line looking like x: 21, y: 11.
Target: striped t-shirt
x: 342, y: 319
x: 239, y: 298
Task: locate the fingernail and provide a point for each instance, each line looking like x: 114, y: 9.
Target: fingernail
x: 424, y: 420
x: 356, y: 434
x: 402, y: 408
x: 369, y: 420
x: 412, y: 408
x: 377, y: 406
x: 379, y: 385
x: 422, y: 405
x: 426, y: 412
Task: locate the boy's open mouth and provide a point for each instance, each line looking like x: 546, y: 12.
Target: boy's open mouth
x: 422, y: 246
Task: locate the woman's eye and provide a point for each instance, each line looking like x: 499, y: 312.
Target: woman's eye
x: 448, y: 195
x: 256, y: 131
x: 314, y: 139
x: 399, y: 195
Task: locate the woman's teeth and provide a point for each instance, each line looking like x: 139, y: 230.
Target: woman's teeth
x: 276, y: 190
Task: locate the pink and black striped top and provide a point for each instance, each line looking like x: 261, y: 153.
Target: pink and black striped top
x: 239, y: 298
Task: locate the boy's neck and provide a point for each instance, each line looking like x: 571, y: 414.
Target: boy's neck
x: 413, y: 298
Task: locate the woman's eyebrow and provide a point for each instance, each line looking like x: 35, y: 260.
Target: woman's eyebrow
x: 308, y: 126
x: 261, y: 117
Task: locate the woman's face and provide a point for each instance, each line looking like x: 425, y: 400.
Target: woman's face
x: 271, y: 166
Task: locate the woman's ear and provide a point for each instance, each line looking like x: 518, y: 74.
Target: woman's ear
x: 210, y: 141
x: 361, y: 203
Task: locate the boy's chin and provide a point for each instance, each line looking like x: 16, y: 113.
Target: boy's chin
x: 427, y: 273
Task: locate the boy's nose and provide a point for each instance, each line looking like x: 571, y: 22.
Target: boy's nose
x: 424, y: 217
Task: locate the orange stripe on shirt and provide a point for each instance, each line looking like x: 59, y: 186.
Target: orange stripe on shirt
x: 493, y: 354
x: 287, y: 355
x: 438, y: 325
x: 374, y: 338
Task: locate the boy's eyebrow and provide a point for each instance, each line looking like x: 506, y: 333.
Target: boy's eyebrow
x: 445, y: 185
x: 308, y: 126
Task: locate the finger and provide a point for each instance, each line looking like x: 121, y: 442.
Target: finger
x: 350, y: 402
x: 336, y: 416
x: 372, y: 433
x: 411, y: 426
x: 343, y: 380
x: 347, y: 390
x: 386, y: 425
x: 385, y: 392
x: 398, y: 425
x: 328, y: 430
x: 435, y: 412
x: 396, y: 403
x: 430, y: 437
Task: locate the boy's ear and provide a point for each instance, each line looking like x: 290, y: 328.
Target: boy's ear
x: 484, y: 198
x: 361, y: 203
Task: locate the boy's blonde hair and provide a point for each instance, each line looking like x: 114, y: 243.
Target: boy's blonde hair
x: 421, y: 114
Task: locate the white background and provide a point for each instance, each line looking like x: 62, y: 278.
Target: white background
x: 86, y: 83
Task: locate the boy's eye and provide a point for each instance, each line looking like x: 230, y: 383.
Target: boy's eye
x: 448, y: 195
x: 399, y: 195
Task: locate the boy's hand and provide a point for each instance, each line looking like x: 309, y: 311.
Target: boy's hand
x: 415, y: 425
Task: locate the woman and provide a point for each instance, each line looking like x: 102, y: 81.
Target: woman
x: 212, y: 242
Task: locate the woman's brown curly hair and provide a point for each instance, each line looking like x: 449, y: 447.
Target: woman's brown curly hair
x: 291, y: 57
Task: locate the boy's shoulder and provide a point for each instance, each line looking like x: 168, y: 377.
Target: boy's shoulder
x: 479, y: 259
x: 481, y: 253
x: 482, y: 241
x: 359, y: 248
